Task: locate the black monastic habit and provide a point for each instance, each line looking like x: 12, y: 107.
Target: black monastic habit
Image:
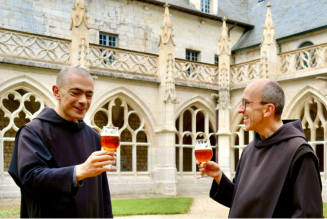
x: 269, y: 182
x: 45, y: 154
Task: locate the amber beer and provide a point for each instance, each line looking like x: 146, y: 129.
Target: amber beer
x: 110, y: 143
x: 203, y: 155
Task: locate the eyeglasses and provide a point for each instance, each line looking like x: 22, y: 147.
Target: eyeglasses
x: 244, y: 103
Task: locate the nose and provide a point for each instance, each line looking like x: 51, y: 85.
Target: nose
x: 240, y: 109
x: 82, y: 99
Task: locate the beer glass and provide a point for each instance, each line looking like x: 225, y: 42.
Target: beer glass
x: 203, y: 152
x: 110, y: 141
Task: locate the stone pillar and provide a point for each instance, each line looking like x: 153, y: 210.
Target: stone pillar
x: 79, y: 49
x: 165, y: 167
x: 224, y: 53
x: 269, y: 48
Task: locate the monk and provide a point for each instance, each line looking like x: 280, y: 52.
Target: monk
x: 57, y: 160
x: 277, y: 175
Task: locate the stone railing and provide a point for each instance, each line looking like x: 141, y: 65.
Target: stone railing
x: 310, y: 57
x: 122, y: 60
x: 244, y: 72
x: 29, y: 46
x: 196, y: 71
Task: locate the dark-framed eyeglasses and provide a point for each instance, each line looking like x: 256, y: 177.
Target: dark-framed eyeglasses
x: 245, y: 102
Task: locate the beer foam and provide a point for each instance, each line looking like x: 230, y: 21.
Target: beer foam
x: 110, y: 134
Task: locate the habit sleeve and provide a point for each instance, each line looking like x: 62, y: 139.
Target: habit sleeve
x: 106, y: 197
x: 307, y: 191
x: 223, y: 192
x: 33, y: 164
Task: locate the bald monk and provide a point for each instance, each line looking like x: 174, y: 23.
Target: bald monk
x: 57, y: 160
x: 277, y: 175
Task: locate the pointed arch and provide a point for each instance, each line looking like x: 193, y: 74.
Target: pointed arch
x: 236, y: 118
x: 297, y: 102
x: 29, y: 84
x: 131, y: 98
x: 199, y: 102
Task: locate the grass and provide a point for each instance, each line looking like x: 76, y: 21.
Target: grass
x: 151, y: 206
x: 9, y: 211
x: 125, y: 207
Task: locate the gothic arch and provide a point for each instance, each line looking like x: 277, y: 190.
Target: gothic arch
x: 201, y: 103
x: 131, y: 98
x: 29, y: 84
x: 297, y: 102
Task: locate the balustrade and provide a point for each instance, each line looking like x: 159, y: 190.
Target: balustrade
x: 303, y: 59
x: 195, y: 71
x: 29, y: 46
x: 122, y: 60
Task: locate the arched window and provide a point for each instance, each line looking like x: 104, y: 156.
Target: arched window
x: 313, y: 117
x: 306, y: 58
x: 17, y: 108
x: 133, y: 153
x: 240, y: 140
x: 193, y: 123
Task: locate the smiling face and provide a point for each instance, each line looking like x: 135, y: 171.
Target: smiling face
x: 254, y: 112
x: 74, y: 96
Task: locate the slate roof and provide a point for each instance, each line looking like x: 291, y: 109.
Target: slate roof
x: 234, y: 10
x: 290, y: 17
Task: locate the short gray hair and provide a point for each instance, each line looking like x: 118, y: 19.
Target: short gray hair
x: 273, y: 93
x: 62, y: 76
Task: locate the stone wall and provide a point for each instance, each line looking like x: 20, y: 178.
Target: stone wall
x: 136, y: 24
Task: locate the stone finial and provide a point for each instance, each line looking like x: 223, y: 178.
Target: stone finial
x: 79, y: 14
x: 166, y: 28
x: 268, y: 28
x: 224, y: 42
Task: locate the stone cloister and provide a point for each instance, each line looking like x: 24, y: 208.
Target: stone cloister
x: 160, y: 103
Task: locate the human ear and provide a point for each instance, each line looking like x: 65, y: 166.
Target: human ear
x: 55, y: 90
x: 269, y: 110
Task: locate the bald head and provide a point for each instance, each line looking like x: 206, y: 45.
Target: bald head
x: 62, y: 77
x: 270, y: 92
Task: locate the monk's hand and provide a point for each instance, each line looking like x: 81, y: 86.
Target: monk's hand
x: 94, y: 165
x: 211, y: 169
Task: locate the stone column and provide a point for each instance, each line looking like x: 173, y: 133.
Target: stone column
x: 269, y: 48
x: 165, y: 167
x: 79, y: 49
x: 224, y: 53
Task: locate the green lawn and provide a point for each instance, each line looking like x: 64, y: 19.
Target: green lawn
x: 148, y: 206
x: 125, y: 207
x: 325, y: 209
x: 9, y: 211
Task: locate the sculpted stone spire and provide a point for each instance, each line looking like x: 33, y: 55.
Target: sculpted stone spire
x: 224, y: 53
x: 166, y: 28
x: 79, y: 15
x: 224, y: 42
x: 268, y: 36
x: 268, y: 48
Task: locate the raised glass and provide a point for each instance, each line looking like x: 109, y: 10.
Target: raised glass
x: 110, y: 141
x: 203, y: 152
